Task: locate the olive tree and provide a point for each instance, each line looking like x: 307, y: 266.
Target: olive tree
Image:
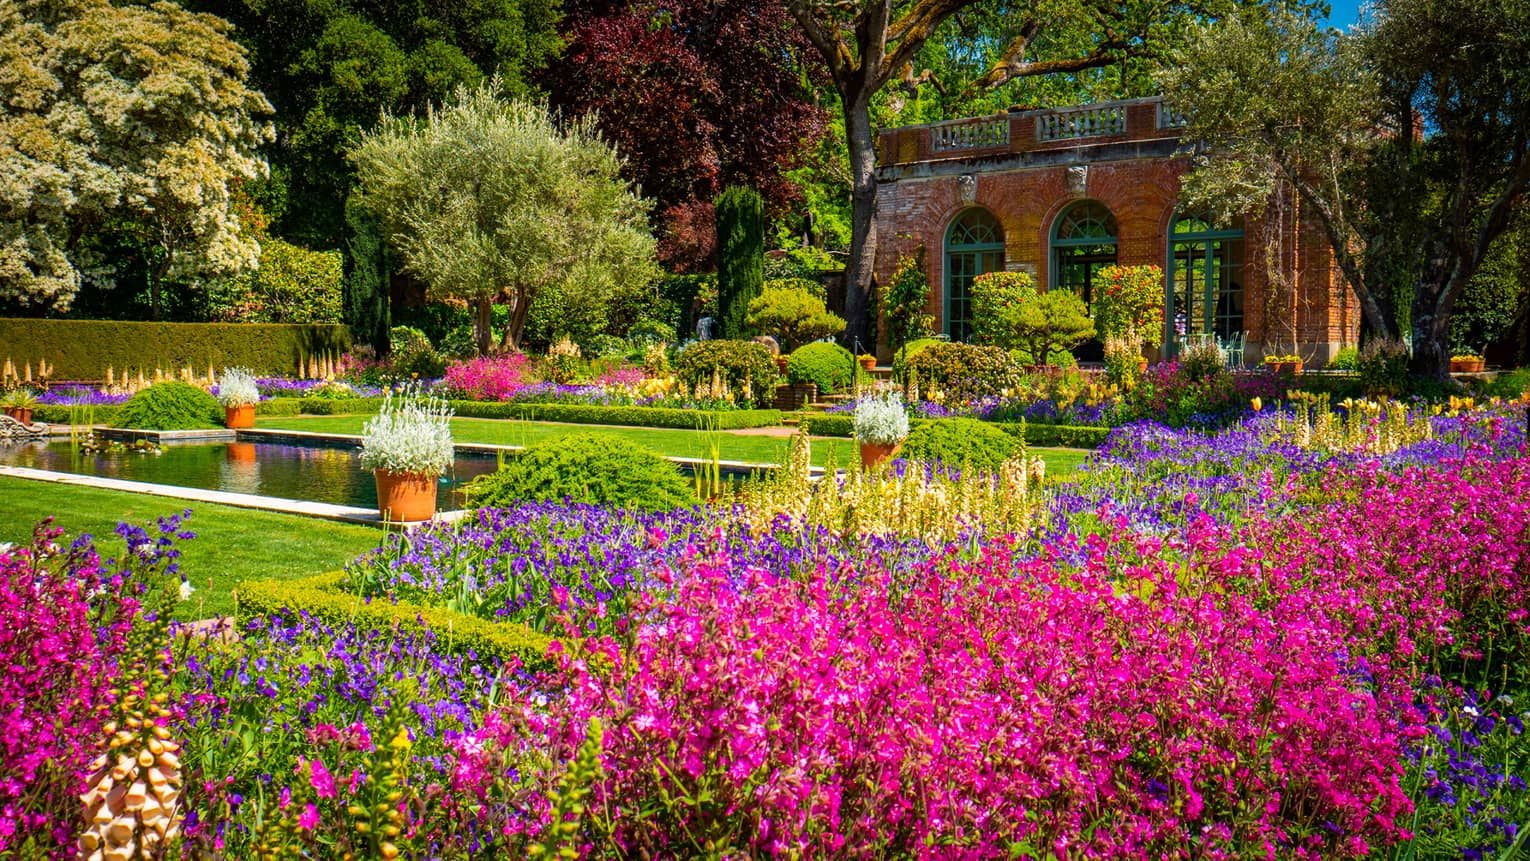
x: 134, y: 118
x: 489, y: 200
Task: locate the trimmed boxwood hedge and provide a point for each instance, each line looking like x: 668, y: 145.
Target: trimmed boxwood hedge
x: 338, y: 406
x: 84, y: 349
x: 323, y: 598
x: 590, y: 414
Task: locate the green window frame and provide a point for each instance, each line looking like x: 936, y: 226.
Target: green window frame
x: 974, y: 246
x: 1084, y: 241
x: 1204, y: 284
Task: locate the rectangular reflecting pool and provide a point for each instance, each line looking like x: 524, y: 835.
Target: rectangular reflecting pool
x: 317, y: 473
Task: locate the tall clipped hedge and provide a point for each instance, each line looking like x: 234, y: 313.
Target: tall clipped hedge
x: 740, y: 256
x: 84, y: 349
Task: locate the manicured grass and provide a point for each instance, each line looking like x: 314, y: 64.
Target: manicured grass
x: 232, y: 544
x: 750, y: 448
x: 730, y: 445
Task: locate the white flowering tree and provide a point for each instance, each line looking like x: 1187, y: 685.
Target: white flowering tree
x: 133, y: 117
x: 488, y: 200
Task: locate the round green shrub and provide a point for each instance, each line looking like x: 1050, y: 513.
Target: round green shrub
x: 909, y: 351
x: 964, y: 372
x: 412, y: 353
x: 823, y: 363
x: 966, y: 443
x: 599, y: 469
x: 171, y: 406
x: 738, y: 362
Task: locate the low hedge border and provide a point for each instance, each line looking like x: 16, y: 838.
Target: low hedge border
x: 592, y: 414
x: 338, y: 406
x: 59, y: 414
x: 322, y: 598
x: 1045, y: 435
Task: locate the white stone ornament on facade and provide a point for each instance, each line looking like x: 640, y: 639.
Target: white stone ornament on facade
x: 966, y: 189
x: 1078, y: 178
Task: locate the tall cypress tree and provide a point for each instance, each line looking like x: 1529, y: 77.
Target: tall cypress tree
x: 366, y: 283
x: 740, y: 256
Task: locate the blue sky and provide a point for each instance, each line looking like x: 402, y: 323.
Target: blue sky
x: 1345, y: 13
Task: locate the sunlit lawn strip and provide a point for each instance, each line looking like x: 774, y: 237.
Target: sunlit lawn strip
x: 232, y: 545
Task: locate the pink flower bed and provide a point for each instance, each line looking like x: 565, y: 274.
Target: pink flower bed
x: 1208, y: 695
x: 489, y: 378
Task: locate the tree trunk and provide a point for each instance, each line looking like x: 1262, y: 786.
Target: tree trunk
x: 483, y: 316
x: 860, y: 273
x: 517, y: 325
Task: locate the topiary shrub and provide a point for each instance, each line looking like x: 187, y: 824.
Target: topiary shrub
x: 745, y: 367
x: 793, y: 314
x: 171, y: 406
x: 962, y: 372
x: 827, y: 365
x: 598, y: 469
x: 966, y: 443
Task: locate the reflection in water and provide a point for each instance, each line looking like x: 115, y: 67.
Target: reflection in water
x: 316, y: 473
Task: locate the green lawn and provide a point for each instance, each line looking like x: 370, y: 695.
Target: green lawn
x: 730, y: 445
x: 232, y: 544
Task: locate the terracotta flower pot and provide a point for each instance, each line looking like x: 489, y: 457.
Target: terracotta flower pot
x: 239, y: 417
x: 873, y: 454
x: 1283, y: 368
x: 20, y: 414
x: 869, y: 364
x: 405, y: 497
x: 1467, y: 366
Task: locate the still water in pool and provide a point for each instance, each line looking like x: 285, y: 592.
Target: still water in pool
x: 316, y: 473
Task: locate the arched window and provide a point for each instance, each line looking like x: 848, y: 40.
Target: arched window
x: 1205, y: 279
x: 974, y: 245
x: 1083, y: 242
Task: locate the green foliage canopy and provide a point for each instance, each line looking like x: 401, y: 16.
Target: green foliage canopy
x: 487, y: 199
x: 137, y: 117
x: 1008, y: 312
x: 790, y: 312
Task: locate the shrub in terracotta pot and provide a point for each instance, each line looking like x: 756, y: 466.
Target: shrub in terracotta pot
x: 408, y: 445
x: 18, y: 404
x: 881, y: 423
x: 238, y: 395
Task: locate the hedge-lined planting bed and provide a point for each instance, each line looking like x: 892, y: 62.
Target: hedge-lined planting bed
x: 334, y: 406
x: 653, y: 417
x: 324, y: 599
x: 822, y: 424
x: 84, y: 349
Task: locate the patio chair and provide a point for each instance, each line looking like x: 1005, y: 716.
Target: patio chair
x: 1232, y: 350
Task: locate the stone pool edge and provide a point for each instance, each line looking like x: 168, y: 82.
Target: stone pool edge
x: 299, y: 507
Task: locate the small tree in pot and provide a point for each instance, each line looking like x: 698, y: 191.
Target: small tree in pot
x: 407, y: 446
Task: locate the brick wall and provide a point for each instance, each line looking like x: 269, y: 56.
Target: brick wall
x: 916, y: 208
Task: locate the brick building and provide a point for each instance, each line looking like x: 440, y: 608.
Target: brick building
x: 1060, y: 193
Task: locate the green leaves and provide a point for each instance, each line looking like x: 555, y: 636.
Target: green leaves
x: 488, y: 198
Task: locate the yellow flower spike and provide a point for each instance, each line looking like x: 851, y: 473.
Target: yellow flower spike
x: 401, y: 740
